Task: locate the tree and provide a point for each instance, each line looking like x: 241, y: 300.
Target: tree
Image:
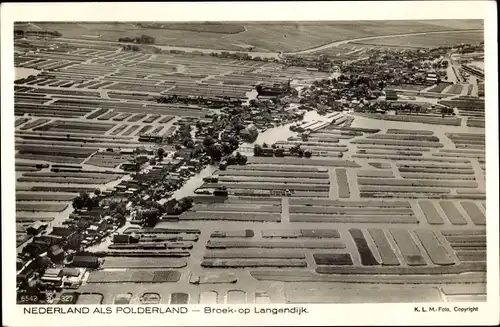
x: 307, y: 154
x: 208, y: 141
x: 295, y: 149
x: 188, y: 143
x: 151, y: 217
x: 121, y: 219
x: 121, y: 208
x: 243, y: 160
x: 215, y: 152
x: 233, y: 141
x: 257, y: 150
x: 82, y: 201
x: 227, y: 148
x: 160, y: 152
x: 186, y: 203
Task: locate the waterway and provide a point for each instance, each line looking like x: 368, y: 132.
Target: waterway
x: 20, y: 72
x: 194, y: 182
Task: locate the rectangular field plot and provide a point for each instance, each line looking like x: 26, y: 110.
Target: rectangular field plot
x: 237, y: 207
x: 375, y: 173
x: 300, y: 233
x: 275, y: 244
x: 277, y: 170
x: 402, y: 270
x: 471, y: 255
x: 341, y: 259
x: 452, y: 213
x: 254, y: 179
x: 373, y: 211
x: 304, y: 161
x: 108, y: 160
x: 468, y: 245
x: 134, y: 276
x: 475, y: 214
x: 254, y: 254
x: 384, y: 248
x: 430, y: 212
x: 235, y: 216
x: 409, y: 131
x: 236, y: 233
x: 366, y: 255
x: 367, y: 219
x: 376, y: 275
x: 342, y: 183
x: 252, y: 263
x: 76, y: 127
x: 34, y: 123
x: 318, y: 210
x: 44, y: 196
x: 434, y: 248
x: 21, y: 206
x: 351, y: 204
x: 137, y: 263
x: 409, y: 249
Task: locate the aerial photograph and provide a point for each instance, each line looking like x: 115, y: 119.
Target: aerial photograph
x: 277, y: 162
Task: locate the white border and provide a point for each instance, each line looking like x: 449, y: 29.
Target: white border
x: 389, y: 314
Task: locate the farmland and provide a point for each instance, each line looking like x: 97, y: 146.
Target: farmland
x: 425, y: 41
x: 339, y: 199
x: 286, y: 37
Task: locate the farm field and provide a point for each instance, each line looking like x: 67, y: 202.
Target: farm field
x: 286, y: 37
x: 377, y: 199
x: 426, y: 41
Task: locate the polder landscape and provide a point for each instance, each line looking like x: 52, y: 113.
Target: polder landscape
x: 250, y: 163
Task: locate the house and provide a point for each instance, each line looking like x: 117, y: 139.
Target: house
x: 36, y: 228
x: 121, y: 239
x: 61, y: 231
x: 47, y: 240
x: 72, y: 277
x: 52, y: 274
x: 85, y: 261
x: 391, y: 95
x: 56, y: 254
x: 130, y: 166
x: 34, y: 249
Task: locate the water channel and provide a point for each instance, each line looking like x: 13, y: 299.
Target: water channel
x: 20, y: 72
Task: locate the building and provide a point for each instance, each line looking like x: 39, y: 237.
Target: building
x: 391, y: 95
x: 56, y: 254
x: 150, y: 138
x: 52, y: 275
x: 276, y: 89
x: 36, y: 228
x: 85, y: 261
x: 130, y: 166
x: 121, y: 238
